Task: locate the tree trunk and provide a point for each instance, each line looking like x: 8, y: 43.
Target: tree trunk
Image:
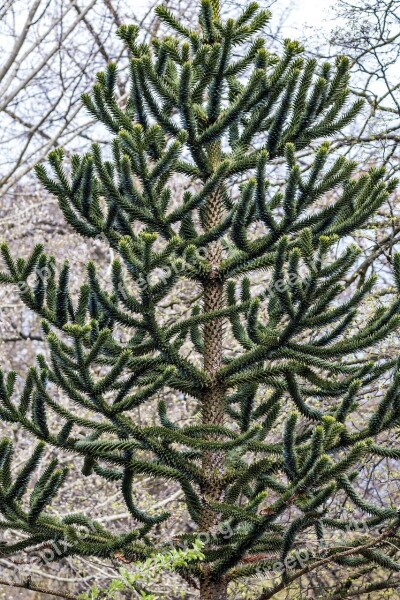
x: 213, y: 404
x: 213, y: 590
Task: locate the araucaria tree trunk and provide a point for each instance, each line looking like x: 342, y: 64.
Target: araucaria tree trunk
x: 272, y: 360
x: 213, y: 400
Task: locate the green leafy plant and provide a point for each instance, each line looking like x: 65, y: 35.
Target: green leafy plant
x: 278, y: 360
x: 144, y: 574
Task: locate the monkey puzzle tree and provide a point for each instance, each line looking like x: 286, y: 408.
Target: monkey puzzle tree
x: 273, y: 357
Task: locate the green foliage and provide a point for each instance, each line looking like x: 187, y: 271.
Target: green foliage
x: 140, y: 576
x: 275, y: 442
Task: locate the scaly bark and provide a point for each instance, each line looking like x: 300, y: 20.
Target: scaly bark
x: 213, y: 405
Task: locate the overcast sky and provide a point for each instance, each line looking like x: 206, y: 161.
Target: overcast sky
x: 309, y: 12
x: 302, y: 14
x: 313, y: 13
